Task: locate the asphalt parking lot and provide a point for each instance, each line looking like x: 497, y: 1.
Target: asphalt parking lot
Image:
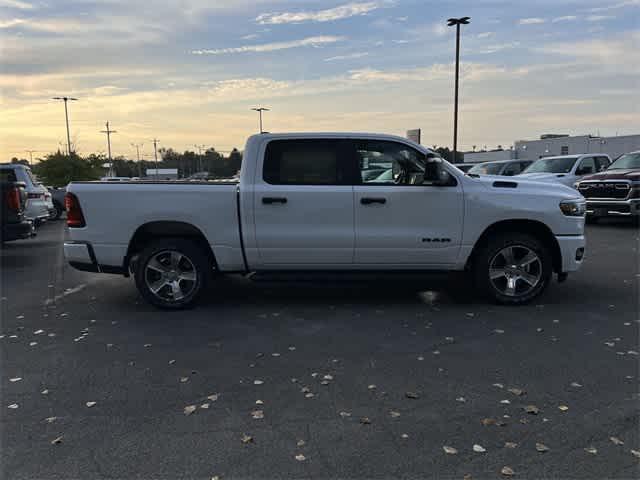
x: 318, y: 382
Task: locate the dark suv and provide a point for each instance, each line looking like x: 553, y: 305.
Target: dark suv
x: 615, y: 191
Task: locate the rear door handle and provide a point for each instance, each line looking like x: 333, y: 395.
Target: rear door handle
x: 272, y: 200
x: 369, y: 201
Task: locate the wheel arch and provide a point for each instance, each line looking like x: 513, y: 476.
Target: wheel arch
x: 532, y: 227
x: 151, y: 231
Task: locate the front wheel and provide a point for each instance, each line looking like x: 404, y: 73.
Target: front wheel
x: 172, y: 273
x: 513, y: 268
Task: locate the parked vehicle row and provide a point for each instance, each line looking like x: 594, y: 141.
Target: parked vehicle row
x: 41, y: 204
x: 14, y: 199
x: 332, y: 205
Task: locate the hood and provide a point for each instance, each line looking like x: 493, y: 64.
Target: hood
x: 527, y: 185
x: 544, y: 176
x: 616, y: 174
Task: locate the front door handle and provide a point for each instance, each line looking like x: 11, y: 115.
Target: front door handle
x: 272, y: 200
x: 369, y: 201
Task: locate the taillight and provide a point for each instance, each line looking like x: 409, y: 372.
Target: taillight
x: 13, y: 199
x: 35, y: 195
x: 75, y: 218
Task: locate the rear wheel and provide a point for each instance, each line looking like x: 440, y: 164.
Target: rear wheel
x: 59, y: 211
x: 172, y: 273
x: 513, y: 268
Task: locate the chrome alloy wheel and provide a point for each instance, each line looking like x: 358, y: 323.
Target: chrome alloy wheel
x: 170, y: 276
x: 515, y: 270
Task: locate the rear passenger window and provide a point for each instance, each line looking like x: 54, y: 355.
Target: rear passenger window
x: 304, y: 162
x: 7, y: 175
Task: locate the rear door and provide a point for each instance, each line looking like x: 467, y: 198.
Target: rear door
x: 399, y: 221
x: 303, y: 205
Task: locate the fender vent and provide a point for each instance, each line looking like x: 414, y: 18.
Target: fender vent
x: 503, y: 184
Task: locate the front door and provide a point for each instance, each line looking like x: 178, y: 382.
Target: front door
x: 399, y: 220
x: 304, y: 205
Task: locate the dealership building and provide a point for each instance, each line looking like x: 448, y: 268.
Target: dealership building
x: 554, y: 144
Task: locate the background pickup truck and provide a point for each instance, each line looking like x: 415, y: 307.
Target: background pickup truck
x: 14, y: 198
x: 310, y: 203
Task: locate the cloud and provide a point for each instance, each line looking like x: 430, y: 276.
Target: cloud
x: 615, y: 6
x: 328, y: 15
x: 272, y: 47
x: 566, y: 18
x: 619, y: 51
x: 531, y: 21
x: 598, y: 18
x: 14, y: 22
x: 486, y: 34
x: 251, y: 36
x: 346, y: 57
x: 500, y: 47
x: 16, y: 4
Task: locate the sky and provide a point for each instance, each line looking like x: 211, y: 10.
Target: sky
x: 187, y: 72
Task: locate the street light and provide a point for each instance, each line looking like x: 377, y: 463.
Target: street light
x: 260, y: 110
x: 457, y: 22
x: 66, y: 116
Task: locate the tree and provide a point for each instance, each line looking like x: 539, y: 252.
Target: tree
x: 58, y: 169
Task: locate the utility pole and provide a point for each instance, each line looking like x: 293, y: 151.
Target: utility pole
x: 457, y: 22
x: 155, y: 151
x: 138, y: 147
x: 260, y: 110
x: 200, y: 147
x: 108, y: 131
x: 66, y: 116
x: 31, y: 152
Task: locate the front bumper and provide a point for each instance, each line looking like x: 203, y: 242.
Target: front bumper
x: 572, y: 252
x: 621, y: 208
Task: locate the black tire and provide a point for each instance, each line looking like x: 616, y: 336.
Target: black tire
x: 196, y: 261
x: 490, y: 250
x: 59, y: 211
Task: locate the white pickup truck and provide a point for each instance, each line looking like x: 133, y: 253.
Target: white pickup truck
x: 338, y: 204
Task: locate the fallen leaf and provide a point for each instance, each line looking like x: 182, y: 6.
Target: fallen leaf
x: 394, y: 414
x: 204, y: 406
x: 498, y: 331
x: 171, y: 362
x: 45, y: 392
x: 213, y: 397
x: 436, y: 352
x: 616, y: 441
x: 56, y: 440
x: 33, y: 344
x: 479, y: 448
x: 90, y: 404
x: 510, y: 445
x: 505, y: 402
x: 50, y: 419
x: 259, y: 402
x: 16, y: 379
x: 258, y: 382
x: 576, y: 384
x: 345, y: 414
x: 412, y: 395
x: 292, y: 348
x: 13, y: 406
x: 498, y: 385
x: 507, y: 471
x: 461, y: 399
x: 404, y: 435
x: 532, y: 409
x: 563, y: 408
x: 635, y: 453
x: 541, y: 447
x: 305, y: 390
x: 488, y: 421
x: 592, y: 450
x: 610, y: 344
x: 275, y: 354
x: 372, y: 387
x: 300, y: 457
x: 38, y: 332
x: 328, y: 377
x: 517, y: 391
x: 301, y: 443
x: 257, y: 414
x: 325, y: 382
x: 449, y: 339
x: 246, y: 438
x: 184, y: 379
x: 147, y: 345
x: 365, y: 420
x: 309, y: 395
x: 449, y: 450
x: 467, y: 476
x: 189, y: 409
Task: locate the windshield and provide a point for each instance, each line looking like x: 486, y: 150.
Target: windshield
x: 627, y: 161
x: 551, y: 165
x: 487, y: 169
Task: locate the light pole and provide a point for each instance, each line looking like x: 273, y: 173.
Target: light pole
x: 138, y: 147
x: 260, y: 110
x: 108, y: 131
x: 31, y: 152
x: 66, y: 116
x: 457, y: 22
x: 200, y: 147
x: 155, y: 152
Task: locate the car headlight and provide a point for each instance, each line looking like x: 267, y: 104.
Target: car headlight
x: 575, y: 207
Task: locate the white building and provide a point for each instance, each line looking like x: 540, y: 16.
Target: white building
x: 162, y: 173
x: 553, y: 144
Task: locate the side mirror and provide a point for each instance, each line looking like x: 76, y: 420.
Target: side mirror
x: 436, y: 175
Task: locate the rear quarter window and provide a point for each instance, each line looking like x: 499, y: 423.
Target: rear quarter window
x: 8, y: 175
